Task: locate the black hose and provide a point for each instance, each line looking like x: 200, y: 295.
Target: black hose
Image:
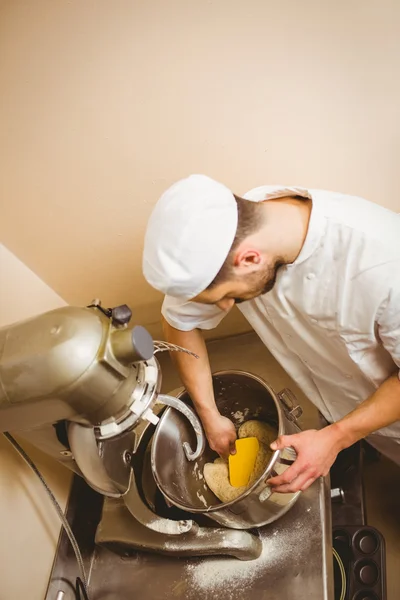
x: 80, y: 588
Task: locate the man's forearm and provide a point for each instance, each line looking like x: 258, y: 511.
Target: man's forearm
x: 378, y: 411
x: 317, y: 450
x: 195, y: 373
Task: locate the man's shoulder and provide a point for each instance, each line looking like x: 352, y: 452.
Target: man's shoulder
x: 365, y: 219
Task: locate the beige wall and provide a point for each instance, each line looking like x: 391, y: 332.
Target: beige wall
x: 104, y: 104
x: 28, y: 523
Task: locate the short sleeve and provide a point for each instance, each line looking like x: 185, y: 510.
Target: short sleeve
x: 389, y: 322
x: 187, y: 316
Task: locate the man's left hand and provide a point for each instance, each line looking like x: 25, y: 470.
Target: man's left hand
x: 316, y: 453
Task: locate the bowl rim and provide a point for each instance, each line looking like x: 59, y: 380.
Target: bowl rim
x: 263, y: 476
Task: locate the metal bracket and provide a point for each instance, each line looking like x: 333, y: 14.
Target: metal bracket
x: 291, y: 407
x: 141, y: 512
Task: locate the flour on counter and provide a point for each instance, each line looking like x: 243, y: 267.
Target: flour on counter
x: 235, y: 576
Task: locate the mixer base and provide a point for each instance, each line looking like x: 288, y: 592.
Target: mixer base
x: 120, y: 532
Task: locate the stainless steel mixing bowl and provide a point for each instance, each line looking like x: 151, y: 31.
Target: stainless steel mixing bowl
x: 240, y: 396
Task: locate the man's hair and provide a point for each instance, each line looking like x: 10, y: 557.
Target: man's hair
x: 250, y: 218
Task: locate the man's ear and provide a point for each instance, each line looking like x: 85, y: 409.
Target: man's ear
x: 247, y: 257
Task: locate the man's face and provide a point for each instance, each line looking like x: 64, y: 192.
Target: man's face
x: 241, y: 289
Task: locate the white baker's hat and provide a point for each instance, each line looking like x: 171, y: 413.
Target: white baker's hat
x: 188, y: 236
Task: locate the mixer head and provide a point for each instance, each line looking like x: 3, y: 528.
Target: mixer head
x: 85, y: 372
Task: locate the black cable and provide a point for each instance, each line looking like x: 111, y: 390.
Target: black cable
x: 80, y: 588
x: 81, y: 584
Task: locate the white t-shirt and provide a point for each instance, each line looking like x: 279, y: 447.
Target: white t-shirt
x: 333, y: 318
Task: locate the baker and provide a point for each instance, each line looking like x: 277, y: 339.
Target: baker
x: 317, y: 275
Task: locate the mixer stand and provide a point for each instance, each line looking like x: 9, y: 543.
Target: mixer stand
x: 132, y: 522
x: 121, y: 532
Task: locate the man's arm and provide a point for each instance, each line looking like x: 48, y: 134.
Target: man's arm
x: 317, y: 450
x: 196, y: 377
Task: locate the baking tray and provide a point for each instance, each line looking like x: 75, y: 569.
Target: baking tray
x: 363, y: 553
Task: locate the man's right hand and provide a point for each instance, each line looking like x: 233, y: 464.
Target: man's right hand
x: 221, y: 435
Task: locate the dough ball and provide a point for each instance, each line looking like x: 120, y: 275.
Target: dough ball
x: 216, y: 474
x: 217, y: 478
x: 264, y: 432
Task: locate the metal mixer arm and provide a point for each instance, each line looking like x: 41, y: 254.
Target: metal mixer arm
x: 194, y: 421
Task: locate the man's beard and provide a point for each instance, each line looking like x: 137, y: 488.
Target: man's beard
x: 270, y: 277
x: 263, y: 283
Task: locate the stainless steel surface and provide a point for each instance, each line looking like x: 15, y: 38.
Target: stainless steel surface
x: 86, y: 452
x: 240, y: 396
x: 60, y: 595
x: 295, y: 564
x: 293, y: 410
x: 119, y: 531
x: 177, y: 534
x: 327, y: 548
x: 76, y: 382
x: 60, y: 365
x: 145, y: 517
x: 194, y: 421
x: 142, y: 396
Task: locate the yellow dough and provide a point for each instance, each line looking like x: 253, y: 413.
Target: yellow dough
x: 263, y: 458
x: 217, y: 478
x: 262, y: 431
x: 216, y: 474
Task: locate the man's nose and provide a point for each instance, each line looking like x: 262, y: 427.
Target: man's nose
x: 226, y: 304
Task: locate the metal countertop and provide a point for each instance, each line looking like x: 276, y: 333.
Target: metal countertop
x: 296, y: 564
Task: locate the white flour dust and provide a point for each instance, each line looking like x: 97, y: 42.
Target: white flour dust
x: 235, y: 576
x: 240, y: 416
x: 202, y: 499
x: 197, y: 472
x: 230, y: 574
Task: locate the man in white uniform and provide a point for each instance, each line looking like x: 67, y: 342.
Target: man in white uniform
x: 317, y: 275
